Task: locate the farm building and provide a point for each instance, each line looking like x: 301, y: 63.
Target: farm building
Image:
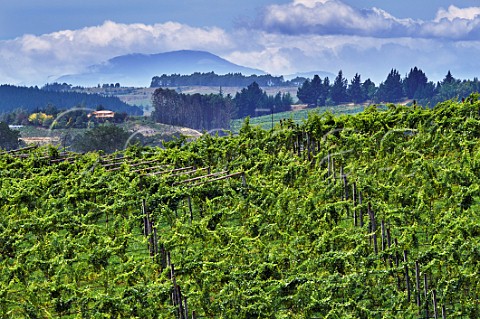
x: 104, y: 114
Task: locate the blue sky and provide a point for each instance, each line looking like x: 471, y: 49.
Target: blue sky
x: 44, y: 39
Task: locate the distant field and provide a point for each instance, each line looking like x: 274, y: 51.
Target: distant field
x: 297, y: 116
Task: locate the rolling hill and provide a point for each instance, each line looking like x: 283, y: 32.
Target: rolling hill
x: 138, y: 69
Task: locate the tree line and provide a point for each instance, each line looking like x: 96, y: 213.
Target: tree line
x: 33, y: 98
x: 206, y: 112
x: 212, y: 79
x: 414, y: 86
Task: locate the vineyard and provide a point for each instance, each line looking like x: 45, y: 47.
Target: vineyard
x: 372, y: 215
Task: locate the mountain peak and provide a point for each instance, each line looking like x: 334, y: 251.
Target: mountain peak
x: 137, y: 69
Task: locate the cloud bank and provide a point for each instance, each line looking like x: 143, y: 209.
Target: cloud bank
x: 333, y: 17
x: 301, y: 36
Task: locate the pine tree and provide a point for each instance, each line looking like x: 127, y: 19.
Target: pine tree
x: 355, y: 90
x: 312, y: 92
x: 392, y: 89
x: 415, y: 83
x: 339, y: 89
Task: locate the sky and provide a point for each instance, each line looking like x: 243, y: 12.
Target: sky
x: 40, y: 40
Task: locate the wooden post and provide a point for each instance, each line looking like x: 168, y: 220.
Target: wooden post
x: 425, y: 290
x: 396, y: 253
x: 185, y: 307
x: 341, y: 177
x: 308, y: 145
x: 407, y: 277
x: 194, y: 315
x: 333, y: 169
x: 148, y: 228
x: 444, y: 312
x: 397, y: 262
x: 374, y: 227
x: 179, y: 302
x: 384, y: 239
x: 345, y: 185
x: 417, y: 285
x: 361, y: 210
x: 190, y: 208
x: 329, y: 165
x: 434, y: 299
x: 389, y: 238
x: 389, y: 245
x: 154, y: 238
x: 354, y: 198
x: 298, y: 144
x: 174, y: 281
x: 145, y: 220
x: 163, y: 254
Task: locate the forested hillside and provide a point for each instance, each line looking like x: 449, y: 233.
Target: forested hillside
x: 373, y: 215
x: 32, y: 98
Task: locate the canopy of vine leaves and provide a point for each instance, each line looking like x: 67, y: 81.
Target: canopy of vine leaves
x: 374, y: 215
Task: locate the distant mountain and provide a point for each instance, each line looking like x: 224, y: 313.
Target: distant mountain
x: 138, y: 69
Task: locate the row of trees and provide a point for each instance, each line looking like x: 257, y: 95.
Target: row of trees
x: 253, y: 101
x: 206, y: 112
x: 213, y: 79
x: 195, y: 111
x: 415, y: 85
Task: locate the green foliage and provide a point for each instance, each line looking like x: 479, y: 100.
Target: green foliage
x: 9, y: 139
x: 284, y: 244
x: 202, y: 112
x: 313, y: 92
x: 391, y: 90
x: 108, y: 138
x: 212, y: 79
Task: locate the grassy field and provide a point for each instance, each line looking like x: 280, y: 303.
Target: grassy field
x: 298, y: 116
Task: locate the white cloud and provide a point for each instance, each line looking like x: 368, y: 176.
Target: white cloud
x: 309, y: 3
x: 302, y: 36
x: 334, y: 17
x: 33, y: 59
x: 454, y: 12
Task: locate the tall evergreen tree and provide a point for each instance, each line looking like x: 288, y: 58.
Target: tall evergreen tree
x: 339, y: 89
x: 355, y: 90
x: 250, y: 99
x: 326, y: 89
x: 415, y: 83
x: 312, y: 92
x: 448, y: 78
x: 369, y: 88
x: 392, y: 89
x: 304, y: 93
